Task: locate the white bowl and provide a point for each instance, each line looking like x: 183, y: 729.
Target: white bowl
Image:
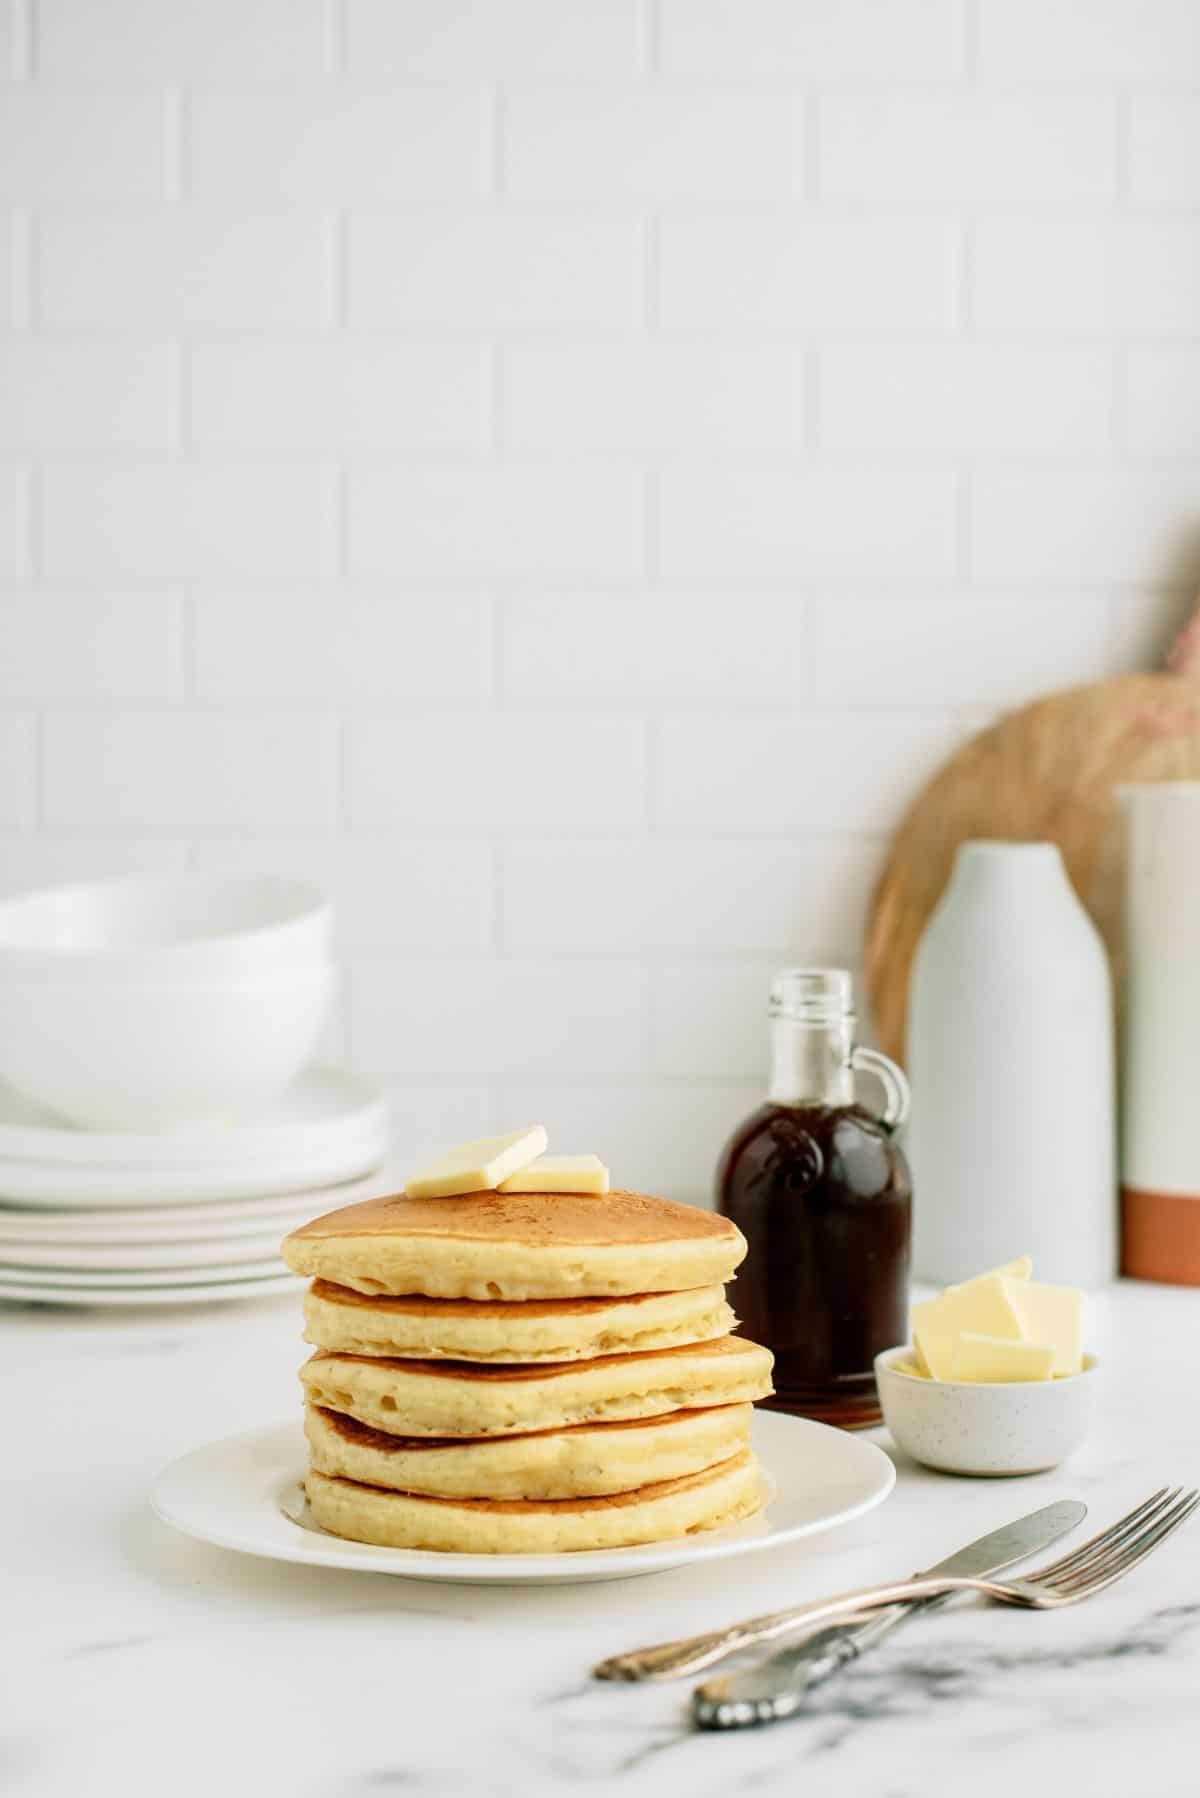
x: 975, y: 1428
x: 160, y: 1055
x: 166, y: 927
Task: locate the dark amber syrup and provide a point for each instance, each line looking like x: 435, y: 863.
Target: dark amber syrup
x: 823, y: 1197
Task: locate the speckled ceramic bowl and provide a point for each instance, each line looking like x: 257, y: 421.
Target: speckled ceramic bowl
x: 988, y: 1430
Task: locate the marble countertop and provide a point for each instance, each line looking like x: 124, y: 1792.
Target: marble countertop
x: 134, y: 1661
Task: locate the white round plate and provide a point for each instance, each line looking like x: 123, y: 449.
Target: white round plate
x: 96, y: 1280
x: 186, y: 1221
x: 324, y: 1108
x: 245, y: 1493
x: 93, y: 1230
x: 202, y: 1294
x: 129, y: 1257
x: 42, y: 1183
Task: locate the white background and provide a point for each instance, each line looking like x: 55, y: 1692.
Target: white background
x: 563, y: 471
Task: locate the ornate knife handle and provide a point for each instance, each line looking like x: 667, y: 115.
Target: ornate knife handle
x: 669, y: 1660
x: 776, y: 1687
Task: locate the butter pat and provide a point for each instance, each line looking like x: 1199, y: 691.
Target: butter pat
x: 559, y: 1173
x: 478, y: 1166
x: 1001, y: 1326
x: 1020, y: 1269
x: 981, y: 1307
x: 995, y: 1359
x: 913, y: 1369
x: 1053, y: 1315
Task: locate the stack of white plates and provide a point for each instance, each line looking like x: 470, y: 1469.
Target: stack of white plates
x: 116, y: 1218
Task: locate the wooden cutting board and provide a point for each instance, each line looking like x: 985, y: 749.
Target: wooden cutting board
x: 1046, y: 773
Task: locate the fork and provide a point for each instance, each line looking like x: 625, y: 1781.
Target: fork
x: 1103, y: 1559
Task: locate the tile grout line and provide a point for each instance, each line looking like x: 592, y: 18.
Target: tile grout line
x: 970, y: 32
x: 336, y: 30
x: 648, y: 42
x: 23, y: 48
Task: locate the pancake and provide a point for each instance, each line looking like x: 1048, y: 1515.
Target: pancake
x: 654, y: 1513
x: 337, y: 1317
x: 584, y: 1462
x: 456, y: 1398
x: 519, y: 1245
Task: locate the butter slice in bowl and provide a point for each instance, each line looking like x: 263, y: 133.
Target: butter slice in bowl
x: 996, y: 1381
x: 1008, y: 1310
x: 995, y: 1359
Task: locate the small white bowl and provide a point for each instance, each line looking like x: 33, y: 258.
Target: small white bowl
x: 984, y: 1429
x: 166, y: 927
x: 161, y: 1055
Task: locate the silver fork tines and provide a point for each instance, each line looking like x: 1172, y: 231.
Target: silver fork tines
x: 1128, y: 1544
x: 1106, y: 1540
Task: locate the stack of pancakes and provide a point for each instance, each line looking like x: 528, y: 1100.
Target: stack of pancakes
x: 525, y: 1372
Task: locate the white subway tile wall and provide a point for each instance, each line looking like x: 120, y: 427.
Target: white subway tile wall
x: 56, y: 146
x: 563, y: 473
x: 60, y: 395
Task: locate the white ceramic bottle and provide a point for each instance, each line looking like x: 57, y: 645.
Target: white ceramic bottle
x: 1010, y: 1055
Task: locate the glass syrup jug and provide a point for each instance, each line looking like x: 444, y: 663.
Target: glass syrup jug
x: 821, y: 1190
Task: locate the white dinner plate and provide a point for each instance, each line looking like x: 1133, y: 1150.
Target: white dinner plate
x: 322, y: 1109
x: 203, y: 1293
x: 98, y: 1279
x: 185, y: 1221
x: 130, y: 1257
x: 244, y: 1493
x: 79, y: 1187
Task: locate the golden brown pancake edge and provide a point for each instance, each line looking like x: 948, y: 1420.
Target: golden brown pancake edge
x: 416, y: 1304
x: 533, y: 1219
x: 518, y: 1507
x: 351, y: 1429
x: 716, y: 1346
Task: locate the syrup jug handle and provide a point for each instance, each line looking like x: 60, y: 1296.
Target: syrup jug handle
x: 895, y: 1087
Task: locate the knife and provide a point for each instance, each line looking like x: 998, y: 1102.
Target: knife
x: 777, y: 1686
